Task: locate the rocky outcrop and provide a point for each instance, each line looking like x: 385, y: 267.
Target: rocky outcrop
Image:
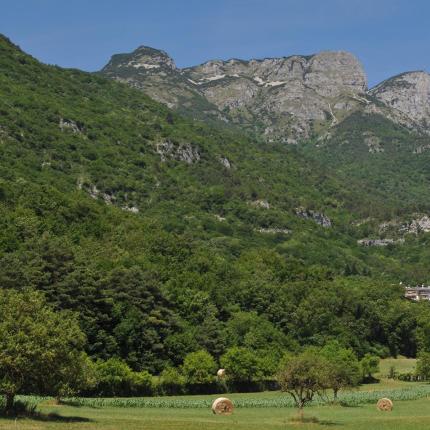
x: 69, y: 125
x: 373, y: 143
x: 274, y: 230
x: 408, y: 93
x: 260, y: 204
x: 225, y: 162
x: 417, y: 225
x: 317, y: 217
x: 379, y: 242
x: 181, y: 152
x: 420, y: 223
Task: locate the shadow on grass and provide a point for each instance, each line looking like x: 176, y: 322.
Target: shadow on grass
x: 24, y: 410
x: 313, y: 420
x: 54, y: 417
x: 77, y: 404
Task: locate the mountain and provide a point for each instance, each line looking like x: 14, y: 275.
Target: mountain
x: 169, y: 235
x: 408, y: 93
x: 154, y: 72
x: 287, y: 99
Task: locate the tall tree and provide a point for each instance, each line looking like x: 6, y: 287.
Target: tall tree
x: 344, y: 369
x: 39, y: 348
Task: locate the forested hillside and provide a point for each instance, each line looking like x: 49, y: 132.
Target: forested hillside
x: 169, y: 236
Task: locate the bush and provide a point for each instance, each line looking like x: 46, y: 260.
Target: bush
x: 241, y: 365
x: 199, y: 368
x: 142, y: 384
x: 114, y: 378
x: 171, y: 382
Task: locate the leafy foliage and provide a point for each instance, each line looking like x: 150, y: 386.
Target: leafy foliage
x: 163, y: 255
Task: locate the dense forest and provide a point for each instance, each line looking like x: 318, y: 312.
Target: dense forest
x: 168, y: 236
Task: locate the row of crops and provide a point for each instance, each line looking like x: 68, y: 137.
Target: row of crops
x: 350, y: 398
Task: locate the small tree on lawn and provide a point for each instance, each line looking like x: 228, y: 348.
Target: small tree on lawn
x: 369, y: 365
x: 39, y: 348
x: 343, y: 367
x: 423, y: 365
x: 304, y: 375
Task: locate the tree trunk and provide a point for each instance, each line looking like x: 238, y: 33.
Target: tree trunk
x: 301, y: 414
x: 10, y: 398
x: 335, y: 395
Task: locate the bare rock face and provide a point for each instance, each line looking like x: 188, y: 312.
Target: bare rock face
x: 417, y: 225
x: 183, y: 152
x: 287, y: 95
x: 317, y: 217
x: 379, y: 242
x: 286, y: 99
x: 408, y: 93
x: 66, y: 124
x: 155, y: 73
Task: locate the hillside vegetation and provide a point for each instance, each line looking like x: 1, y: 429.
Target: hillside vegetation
x: 169, y: 236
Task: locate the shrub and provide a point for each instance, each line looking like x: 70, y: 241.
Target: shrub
x: 142, y: 384
x: 241, y: 365
x: 171, y: 382
x: 199, y: 368
x: 114, y: 378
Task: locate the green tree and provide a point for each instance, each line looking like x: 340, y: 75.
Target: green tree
x: 241, y: 365
x: 171, y: 381
x: 369, y: 365
x: 304, y: 375
x: 423, y: 365
x: 114, y: 377
x: 344, y: 368
x: 199, y: 368
x: 39, y: 348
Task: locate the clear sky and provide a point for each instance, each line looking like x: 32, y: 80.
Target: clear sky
x: 388, y: 36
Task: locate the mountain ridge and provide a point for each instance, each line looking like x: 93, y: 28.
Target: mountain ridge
x: 163, y: 232
x: 295, y: 96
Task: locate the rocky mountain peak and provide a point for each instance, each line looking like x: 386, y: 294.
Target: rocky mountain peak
x: 287, y: 99
x: 337, y: 71
x: 143, y: 59
x: 408, y: 93
x: 332, y: 74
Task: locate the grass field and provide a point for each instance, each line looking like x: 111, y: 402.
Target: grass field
x: 254, y: 411
x: 407, y: 415
x: 400, y: 364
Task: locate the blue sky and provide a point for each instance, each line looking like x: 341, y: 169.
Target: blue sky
x: 388, y: 36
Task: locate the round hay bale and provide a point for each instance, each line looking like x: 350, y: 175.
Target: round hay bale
x: 221, y: 373
x: 384, y: 404
x: 222, y: 406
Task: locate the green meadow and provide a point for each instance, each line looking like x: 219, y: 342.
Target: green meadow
x: 267, y: 410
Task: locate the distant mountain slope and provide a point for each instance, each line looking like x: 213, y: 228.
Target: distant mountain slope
x: 281, y: 99
x: 408, y: 93
x: 154, y: 72
x: 163, y: 232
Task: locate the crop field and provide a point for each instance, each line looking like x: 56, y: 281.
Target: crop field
x: 269, y: 410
